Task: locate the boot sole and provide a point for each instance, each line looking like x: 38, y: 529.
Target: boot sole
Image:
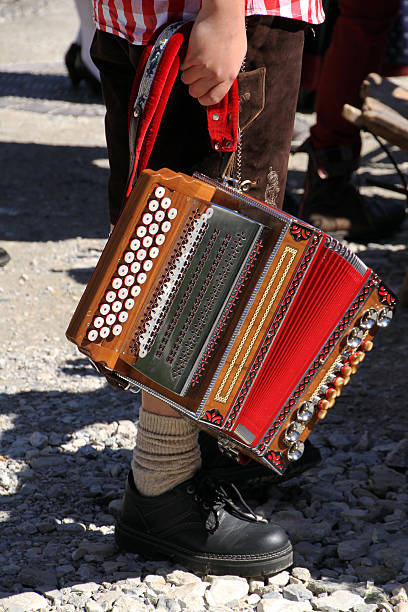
x: 247, y: 566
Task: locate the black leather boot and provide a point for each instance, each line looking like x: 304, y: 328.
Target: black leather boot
x: 333, y: 203
x: 204, y: 525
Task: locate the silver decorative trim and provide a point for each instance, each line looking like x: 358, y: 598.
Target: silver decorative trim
x: 340, y: 249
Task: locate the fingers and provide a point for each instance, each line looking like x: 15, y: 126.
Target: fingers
x: 206, y: 86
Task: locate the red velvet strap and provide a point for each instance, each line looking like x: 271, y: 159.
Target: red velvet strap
x: 222, y: 118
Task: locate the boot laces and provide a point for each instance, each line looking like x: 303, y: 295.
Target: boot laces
x: 217, y: 495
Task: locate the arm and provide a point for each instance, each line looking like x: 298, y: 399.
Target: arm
x: 216, y: 50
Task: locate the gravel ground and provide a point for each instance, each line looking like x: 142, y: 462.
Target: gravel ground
x: 66, y: 438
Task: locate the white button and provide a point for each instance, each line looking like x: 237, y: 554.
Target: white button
x: 147, y: 242
x: 159, y: 192
x: 141, y: 278
x: 143, y: 353
x: 116, y: 282
x: 160, y: 238
x: 123, y: 270
x: 123, y: 316
x: 172, y: 213
x: 129, y: 304
x: 104, y: 309
x: 141, y: 231
x: 110, y: 296
x: 104, y: 332
x: 154, y: 251
x: 159, y: 216
x: 135, y: 244
x: 117, y: 329
x: 209, y: 213
x: 141, y: 254
x: 92, y: 335
x: 135, y: 267
x: 129, y: 280
x: 153, y: 205
x: 110, y: 319
x: 147, y: 265
x: 147, y: 218
x: 117, y: 306
x: 135, y: 290
x: 165, y: 226
x: 129, y: 257
x: 165, y: 203
x: 98, y: 322
x: 153, y: 229
x: 123, y: 293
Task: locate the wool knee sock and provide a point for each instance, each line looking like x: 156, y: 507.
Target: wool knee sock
x: 166, y: 453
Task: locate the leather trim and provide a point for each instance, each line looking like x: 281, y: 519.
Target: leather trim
x: 251, y: 86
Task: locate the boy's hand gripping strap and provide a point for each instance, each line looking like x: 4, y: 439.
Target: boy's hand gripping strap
x: 158, y: 69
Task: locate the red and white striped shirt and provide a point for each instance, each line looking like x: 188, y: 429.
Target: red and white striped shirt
x: 137, y: 20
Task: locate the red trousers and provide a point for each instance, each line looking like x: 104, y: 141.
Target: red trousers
x: 357, y: 48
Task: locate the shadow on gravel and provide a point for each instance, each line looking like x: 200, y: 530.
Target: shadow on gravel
x: 55, y: 507
x: 52, y: 192
x: 46, y: 86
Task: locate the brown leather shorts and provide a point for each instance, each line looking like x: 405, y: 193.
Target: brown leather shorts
x: 268, y: 89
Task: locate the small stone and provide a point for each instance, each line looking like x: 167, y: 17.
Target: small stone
x: 179, y: 578
x: 38, y: 439
x: 297, y: 592
x: 398, y: 456
x: 352, y: 549
x: 383, y: 479
x: 24, y: 602
x: 226, y: 589
x: 338, y: 601
x: 283, y: 605
x: 399, y: 595
x: 253, y: 599
x: 92, y: 606
x: 279, y: 580
x: 85, y: 587
x: 302, y: 573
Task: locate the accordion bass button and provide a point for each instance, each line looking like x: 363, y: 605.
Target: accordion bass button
x: 104, y: 332
x: 141, y: 231
x: 135, y: 290
x: 384, y: 317
x: 159, y: 216
x: 117, y: 306
x: 296, y: 451
x: 165, y: 203
x: 123, y: 270
x: 153, y: 253
x: 159, y: 192
x: 165, y: 227
x: 153, y: 205
x: 98, y: 322
x: 116, y: 282
x: 293, y: 432
x: 134, y: 244
x: 369, y: 318
x: 153, y: 228
x: 117, y: 330
x: 305, y: 412
x: 104, y: 309
x: 110, y: 319
x: 160, y: 238
x: 172, y: 213
x: 110, y: 296
x: 123, y: 316
x: 147, y: 218
x: 147, y: 242
x: 129, y: 257
x: 129, y: 304
x: 367, y: 346
x: 92, y: 335
x: 123, y: 293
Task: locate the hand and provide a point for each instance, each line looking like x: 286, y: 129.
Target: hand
x: 216, y: 49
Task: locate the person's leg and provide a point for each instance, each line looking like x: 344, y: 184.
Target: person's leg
x: 331, y: 201
x: 357, y: 47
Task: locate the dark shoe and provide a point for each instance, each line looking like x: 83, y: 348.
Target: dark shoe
x: 206, y: 526
x: 77, y: 70
x: 332, y: 202
x: 4, y: 257
x: 252, y: 479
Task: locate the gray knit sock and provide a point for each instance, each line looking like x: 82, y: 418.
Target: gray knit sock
x: 166, y: 453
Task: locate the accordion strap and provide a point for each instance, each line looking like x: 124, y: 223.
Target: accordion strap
x: 154, y: 80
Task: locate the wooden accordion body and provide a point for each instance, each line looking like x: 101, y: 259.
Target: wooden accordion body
x: 242, y: 317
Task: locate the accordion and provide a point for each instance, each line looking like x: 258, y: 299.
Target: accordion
x: 240, y: 316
